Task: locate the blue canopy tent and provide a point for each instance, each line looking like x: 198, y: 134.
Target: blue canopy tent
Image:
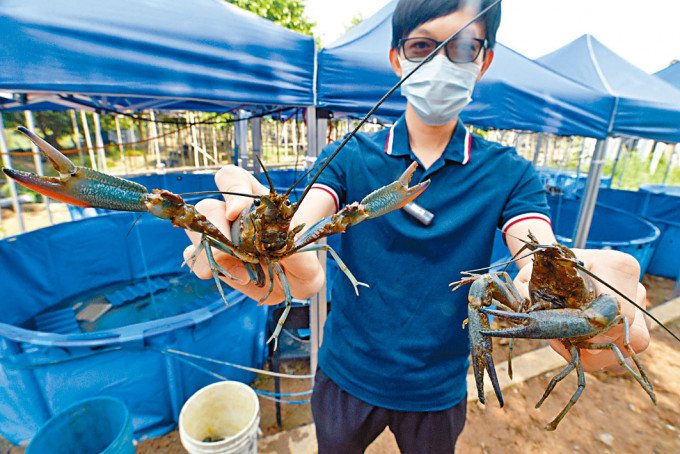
x: 128, y: 56
x: 671, y: 74
x: 646, y: 106
x: 354, y: 72
x: 132, y: 55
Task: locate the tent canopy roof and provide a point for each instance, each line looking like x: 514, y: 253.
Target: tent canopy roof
x: 354, y: 73
x: 123, y: 53
x: 671, y: 74
x: 646, y: 105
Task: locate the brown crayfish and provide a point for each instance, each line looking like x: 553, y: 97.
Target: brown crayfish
x: 561, y: 305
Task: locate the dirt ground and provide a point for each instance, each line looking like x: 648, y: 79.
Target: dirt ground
x: 614, y: 414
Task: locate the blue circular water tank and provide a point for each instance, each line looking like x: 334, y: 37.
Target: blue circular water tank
x: 610, y: 228
x: 100, y: 425
x: 661, y: 189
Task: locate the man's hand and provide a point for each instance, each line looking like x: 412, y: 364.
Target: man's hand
x: 622, y: 272
x: 303, y: 270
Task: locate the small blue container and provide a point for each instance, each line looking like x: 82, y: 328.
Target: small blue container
x: 101, y: 425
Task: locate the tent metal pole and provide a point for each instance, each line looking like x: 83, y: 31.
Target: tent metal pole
x: 154, y: 143
x: 670, y: 163
x: 256, y: 131
x: 99, y: 140
x: 213, y: 130
x: 242, y: 137
x: 623, y: 144
x: 537, y: 151
x: 587, y: 207
x: 88, y: 140
x: 316, y: 135
x: 37, y: 159
x: 631, y: 147
x: 76, y: 136
x: 7, y: 163
x: 121, y: 147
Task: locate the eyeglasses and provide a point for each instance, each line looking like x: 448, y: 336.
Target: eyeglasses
x: 458, y: 50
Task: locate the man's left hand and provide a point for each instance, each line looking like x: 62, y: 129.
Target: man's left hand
x: 621, y: 271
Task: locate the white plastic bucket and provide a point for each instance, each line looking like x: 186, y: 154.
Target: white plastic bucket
x: 221, y: 418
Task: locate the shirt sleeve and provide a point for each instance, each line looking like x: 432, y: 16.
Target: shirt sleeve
x: 333, y: 179
x: 527, y: 199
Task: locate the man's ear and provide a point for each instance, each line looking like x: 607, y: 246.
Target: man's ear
x: 394, y: 60
x: 485, y: 64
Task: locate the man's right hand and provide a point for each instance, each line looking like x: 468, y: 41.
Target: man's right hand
x: 303, y: 270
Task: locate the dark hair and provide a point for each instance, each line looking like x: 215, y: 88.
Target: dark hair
x: 409, y: 14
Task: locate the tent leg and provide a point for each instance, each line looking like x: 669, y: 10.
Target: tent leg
x: 88, y: 140
x: 76, y: 136
x: 101, y: 151
x: 316, y: 135
x: 37, y: 159
x: 7, y: 163
x: 585, y: 214
x: 256, y: 132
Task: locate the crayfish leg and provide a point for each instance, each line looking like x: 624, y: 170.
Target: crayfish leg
x: 338, y: 260
x: 289, y: 304
x: 270, y: 273
x: 575, y: 363
x: 642, y: 378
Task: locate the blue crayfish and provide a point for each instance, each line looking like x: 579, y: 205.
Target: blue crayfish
x: 561, y: 305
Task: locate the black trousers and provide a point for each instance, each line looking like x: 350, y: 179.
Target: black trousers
x: 347, y: 425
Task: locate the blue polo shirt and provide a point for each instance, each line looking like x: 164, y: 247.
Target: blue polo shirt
x: 400, y: 344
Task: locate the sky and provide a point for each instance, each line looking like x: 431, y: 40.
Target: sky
x: 646, y: 33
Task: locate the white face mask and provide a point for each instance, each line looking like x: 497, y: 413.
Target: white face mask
x: 440, y: 89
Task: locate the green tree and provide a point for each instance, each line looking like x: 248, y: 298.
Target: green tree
x: 356, y: 20
x: 288, y: 13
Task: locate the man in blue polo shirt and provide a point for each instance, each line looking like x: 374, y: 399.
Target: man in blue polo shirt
x: 395, y: 355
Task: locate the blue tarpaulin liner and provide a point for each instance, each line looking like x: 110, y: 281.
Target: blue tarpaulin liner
x: 663, y: 210
x: 42, y: 373
x: 671, y: 74
x: 354, y: 72
x: 129, y: 55
x: 646, y: 105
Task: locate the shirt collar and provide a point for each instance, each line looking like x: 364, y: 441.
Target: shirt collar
x: 457, y: 150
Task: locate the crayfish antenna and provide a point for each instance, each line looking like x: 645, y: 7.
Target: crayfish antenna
x: 264, y: 169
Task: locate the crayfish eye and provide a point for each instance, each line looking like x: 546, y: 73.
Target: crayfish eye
x: 257, y: 202
x: 287, y: 202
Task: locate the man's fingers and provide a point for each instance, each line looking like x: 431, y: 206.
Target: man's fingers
x: 214, y: 211
x: 236, y: 179
x: 618, y: 269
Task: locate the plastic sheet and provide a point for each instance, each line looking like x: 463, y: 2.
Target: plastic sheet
x: 42, y: 373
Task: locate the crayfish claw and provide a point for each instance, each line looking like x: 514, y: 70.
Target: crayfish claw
x: 491, y: 370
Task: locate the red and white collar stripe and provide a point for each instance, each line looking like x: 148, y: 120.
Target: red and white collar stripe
x: 467, y: 144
